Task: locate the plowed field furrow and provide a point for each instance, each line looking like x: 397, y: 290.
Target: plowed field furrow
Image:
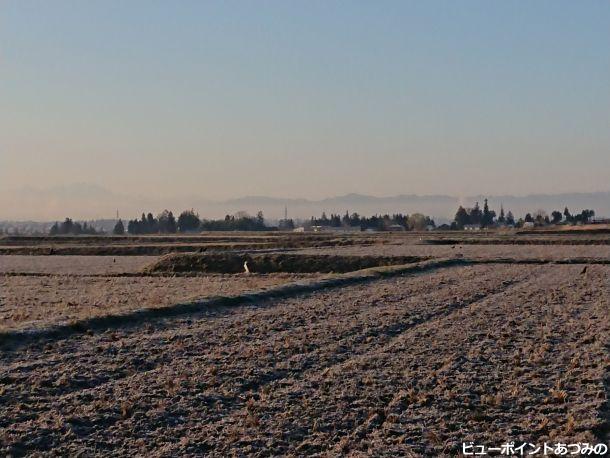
x: 129, y: 363
x: 306, y: 390
x: 412, y: 364
x: 528, y: 366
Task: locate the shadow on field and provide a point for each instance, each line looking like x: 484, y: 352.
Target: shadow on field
x: 18, y: 338
x: 363, y: 269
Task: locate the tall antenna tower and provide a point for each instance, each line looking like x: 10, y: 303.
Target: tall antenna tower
x: 285, y: 212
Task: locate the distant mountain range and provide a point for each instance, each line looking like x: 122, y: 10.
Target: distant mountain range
x: 84, y: 201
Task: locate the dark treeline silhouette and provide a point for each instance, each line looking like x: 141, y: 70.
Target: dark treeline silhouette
x: 476, y: 216
x: 465, y: 218
x: 486, y: 218
x: 69, y: 227
x: 416, y: 221
x: 583, y: 217
x: 164, y: 223
x: 241, y: 221
x: 189, y: 221
x: 119, y: 228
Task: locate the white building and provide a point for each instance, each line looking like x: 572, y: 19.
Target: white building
x: 341, y: 229
x: 472, y: 227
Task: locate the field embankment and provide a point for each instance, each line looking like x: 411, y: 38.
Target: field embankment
x: 157, y: 245
x: 272, y: 262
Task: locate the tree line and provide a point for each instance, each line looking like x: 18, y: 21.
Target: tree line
x: 69, y: 227
x: 416, y: 221
x: 486, y: 218
x: 189, y: 221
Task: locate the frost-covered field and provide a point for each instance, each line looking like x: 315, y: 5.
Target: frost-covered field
x: 415, y: 363
x: 31, y: 301
x: 76, y: 265
x: 518, y: 252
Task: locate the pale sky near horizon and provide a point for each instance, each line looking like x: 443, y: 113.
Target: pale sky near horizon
x: 305, y: 98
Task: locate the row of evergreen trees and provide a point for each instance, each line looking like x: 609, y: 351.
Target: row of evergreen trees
x: 189, y: 221
x: 69, y: 227
x: 164, y: 223
x: 487, y: 218
x: 416, y: 221
x: 241, y: 221
x: 483, y: 218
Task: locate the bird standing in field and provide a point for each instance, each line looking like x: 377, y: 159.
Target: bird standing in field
x: 584, y: 270
x: 246, y: 270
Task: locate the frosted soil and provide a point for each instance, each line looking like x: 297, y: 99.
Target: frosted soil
x: 517, y: 252
x: 35, y: 301
x: 414, y: 364
x: 75, y: 265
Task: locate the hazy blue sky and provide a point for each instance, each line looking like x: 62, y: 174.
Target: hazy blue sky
x: 306, y: 99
